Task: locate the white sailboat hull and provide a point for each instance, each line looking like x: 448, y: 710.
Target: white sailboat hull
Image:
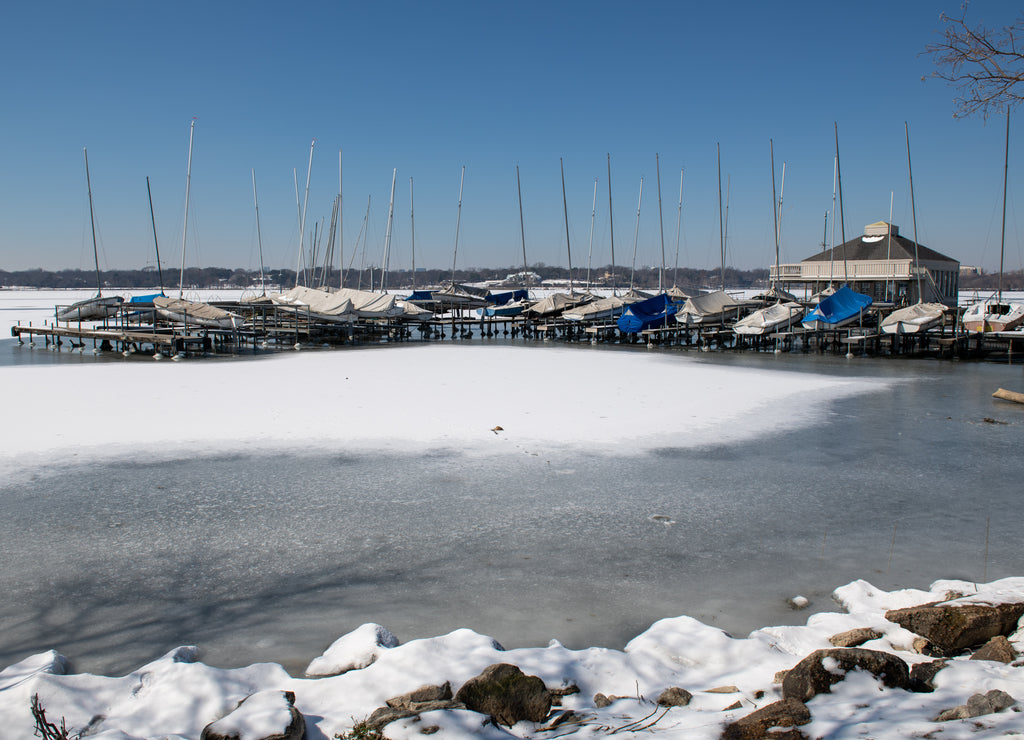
x: 989, y: 316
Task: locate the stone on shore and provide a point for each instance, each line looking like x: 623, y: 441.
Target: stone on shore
x: 952, y: 628
x: 816, y: 673
x: 787, y: 713
x: 508, y: 695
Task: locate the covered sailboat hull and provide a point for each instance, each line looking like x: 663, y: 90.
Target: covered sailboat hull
x: 839, y: 309
x: 914, y: 319
x: 777, y: 317
x: 181, y: 311
x: 652, y: 313
x: 91, y: 309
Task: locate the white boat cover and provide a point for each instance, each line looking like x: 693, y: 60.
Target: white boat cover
x: 706, y: 308
x: 192, y: 312
x: 360, y: 303
x: 678, y: 294
x: 555, y: 304
x: 91, y: 309
x: 603, y: 308
x: 322, y: 303
x: 412, y: 312
x: 917, y: 318
x: 775, y: 317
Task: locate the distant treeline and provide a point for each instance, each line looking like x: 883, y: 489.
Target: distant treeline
x: 219, y: 277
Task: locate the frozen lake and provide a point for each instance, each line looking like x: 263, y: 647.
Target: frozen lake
x: 259, y: 555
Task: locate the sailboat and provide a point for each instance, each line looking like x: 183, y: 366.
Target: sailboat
x: 99, y: 306
x: 921, y: 316
x: 997, y: 314
x: 785, y: 311
x: 181, y: 310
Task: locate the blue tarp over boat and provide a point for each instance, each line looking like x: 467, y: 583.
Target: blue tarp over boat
x: 838, y: 308
x: 421, y: 295
x: 647, y: 314
x: 500, y: 299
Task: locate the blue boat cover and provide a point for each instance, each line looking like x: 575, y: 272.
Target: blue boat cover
x: 500, y: 299
x: 650, y: 313
x: 838, y: 307
x: 421, y: 295
x: 148, y: 299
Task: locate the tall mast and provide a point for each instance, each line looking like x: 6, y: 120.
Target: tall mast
x: 298, y: 215
x: 832, y: 251
x: 565, y: 210
x: 259, y: 236
x: 888, y: 241
x: 1002, y: 236
x: 679, y: 228
x: 721, y: 223
x: 92, y: 221
x: 611, y: 222
x: 387, y: 235
x: 636, y: 233
x: 458, y: 222
x: 305, y: 202
x: 775, y: 212
x: 842, y: 220
x: 412, y: 235
x: 341, y: 230
x: 522, y: 228
x: 913, y: 211
x: 156, y: 244
x: 188, y: 186
x: 778, y: 238
x: 590, y: 250
x: 661, y: 227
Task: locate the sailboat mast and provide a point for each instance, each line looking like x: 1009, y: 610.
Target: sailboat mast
x: 387, y: 235
x: 156, y: 244
x: 259, y: 236
x: 341, y: 230
x: 636, y: 233
x: 458, y: 222
x: 1002, y: 235
x: 913, y: 211
x: 611, y: 221
x: 832, y: 250
x: 721, y: 218
x: 661, y: 226
x: 92, y: 221
x: 679, y: 228
x: 590, y: 250
x: 565, y: 210
x: 888, y: 243
x: 842, y: 220
x: 412, y: 235
x: 188, y: 186
x: 302, y: 218
x: 775, y: 212
x: 522, y: 228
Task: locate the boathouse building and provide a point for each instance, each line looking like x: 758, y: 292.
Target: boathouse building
x: 881, y: 264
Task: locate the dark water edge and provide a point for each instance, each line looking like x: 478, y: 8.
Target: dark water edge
x: 272, y: 556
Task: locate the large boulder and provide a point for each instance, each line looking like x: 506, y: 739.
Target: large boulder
x: 816, y: 673
x: 952, y: 628
x: 787, y: 713
x: 506, y: 694
x: 266, y: 715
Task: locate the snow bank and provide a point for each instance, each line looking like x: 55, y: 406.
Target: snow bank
x: 175, y: 697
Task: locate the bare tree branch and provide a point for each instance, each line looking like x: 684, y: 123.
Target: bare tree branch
x: 984, y: 65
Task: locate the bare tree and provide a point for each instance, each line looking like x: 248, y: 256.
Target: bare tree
x: 986, y: 66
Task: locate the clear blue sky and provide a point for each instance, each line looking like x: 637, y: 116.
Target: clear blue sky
x: 428, y: 88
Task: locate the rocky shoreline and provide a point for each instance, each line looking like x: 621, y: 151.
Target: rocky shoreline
x: 942, y: 663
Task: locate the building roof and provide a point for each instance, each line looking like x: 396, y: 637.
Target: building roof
x: 880, y: 247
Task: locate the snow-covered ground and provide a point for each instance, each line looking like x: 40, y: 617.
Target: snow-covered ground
x: 422, y: 397
x: 176, y: 696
